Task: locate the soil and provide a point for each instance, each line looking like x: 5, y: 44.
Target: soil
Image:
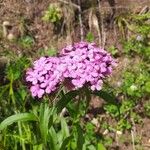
x: 140, y: 132
x: 25, y: 19
x: 25, y: 16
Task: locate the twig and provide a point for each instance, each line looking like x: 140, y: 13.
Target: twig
x: 101, y: 23
x: 144, y: 10
x: 70, y: 3
x: 80, y: 21
x: 62, y: 27
x: 116, y: 7
x: 146, y: 145
x: 104, y: 39
x: 133, y: 140
x: 80, y: 16
x: 133, y: 131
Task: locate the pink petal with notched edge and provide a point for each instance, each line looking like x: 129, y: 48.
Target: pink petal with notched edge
x: 93, y: 87
x: 94, y: 74
x: 40, y: 93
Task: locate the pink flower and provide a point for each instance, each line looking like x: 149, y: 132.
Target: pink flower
x: 36, y: 91
x: 79, y: 64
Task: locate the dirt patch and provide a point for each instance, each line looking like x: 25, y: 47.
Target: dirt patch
x: 25, y: 19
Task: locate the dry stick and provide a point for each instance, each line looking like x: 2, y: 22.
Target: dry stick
x: 146, y: 145
x: 70, y: 3
x: 80, y: 21
x: 80, y: 16
x: 133, y: 131
x: 94, y: 20
x: 62, y: 28
x: 133, y: 140
x: 102, y: 40
x: 144, y: 10
x: 118, y: 7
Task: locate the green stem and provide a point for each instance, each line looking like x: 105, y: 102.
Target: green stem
x: 20, y: 133
x: 87, y: 98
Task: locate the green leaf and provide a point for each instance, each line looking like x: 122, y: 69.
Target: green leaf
x: 90, y: 37
x: 147, y: 87
x: 90, y: 147
x: 48, y: 52
x: 53, y: 139
x: 64, y: 128
x: 100, y: 147
x: 26, y: 42
x: 80, y: 137
x: 38, y: 147
x: 3, y: 89
x: 15, y: 68
x: 51, y: 52
x: 22, y: 91
x: 65, y: 99
x: 113, y: 105
x: 108, y: 97
x: 45, y: 121
x: 17, y: 117
x: 112, y: 109
x: 65, y: 143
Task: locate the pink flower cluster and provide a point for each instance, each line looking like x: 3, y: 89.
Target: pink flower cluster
x: 81, y: 64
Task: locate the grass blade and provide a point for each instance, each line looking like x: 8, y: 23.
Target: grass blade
x: 65, y: 143
x: 66, y: 98
x: 17, y: 117
x: 64, y: 127
x: 80, y: 138
x: 45, y: 121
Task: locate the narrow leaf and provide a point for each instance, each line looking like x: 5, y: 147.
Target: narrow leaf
x: 65, y: 143
x: 66, y: 98
x: 64, y: 127
x: 53, y: 139
x: 100, y: 147
x: 45, y: 114
x: 108, y: 97
x: 80, y: 139
x: 38, y: 147
x: 17, y: 117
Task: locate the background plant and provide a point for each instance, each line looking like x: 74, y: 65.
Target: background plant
x: 52, y: 14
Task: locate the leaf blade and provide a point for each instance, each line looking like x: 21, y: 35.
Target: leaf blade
x: 17, y: 117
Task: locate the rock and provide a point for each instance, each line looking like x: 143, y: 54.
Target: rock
x: 119, y: 132
x: 106, y: 132
x: 10, y: 37
x: 6, y: 23
x: 95, y: 122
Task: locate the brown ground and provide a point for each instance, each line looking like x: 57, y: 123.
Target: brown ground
x: 25, y: 18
